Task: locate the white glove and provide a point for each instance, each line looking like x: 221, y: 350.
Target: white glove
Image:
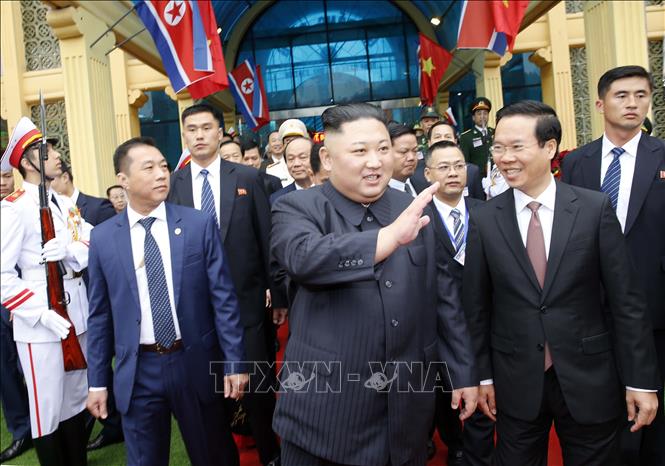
x: 54, y: 250
x: 56, y: 324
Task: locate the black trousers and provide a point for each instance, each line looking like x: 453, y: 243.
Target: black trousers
x: 526, y: 442
x: 646, y: 447
x: 478, y: 440
x: 446, y: 421
x: 293, y: 455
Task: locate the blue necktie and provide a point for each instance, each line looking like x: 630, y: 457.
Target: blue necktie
x: 160, y: 307
x: 207, y: 199
x: 458, y: 231
x: 613, y: 177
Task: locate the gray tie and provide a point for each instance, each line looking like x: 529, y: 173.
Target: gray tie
x: 408, y: 190
x: 160, y: 306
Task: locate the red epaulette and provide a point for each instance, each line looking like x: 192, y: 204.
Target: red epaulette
x: 15, y: 195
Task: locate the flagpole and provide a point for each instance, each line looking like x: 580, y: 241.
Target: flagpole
x: 125, y: 41
x: 110, y: 28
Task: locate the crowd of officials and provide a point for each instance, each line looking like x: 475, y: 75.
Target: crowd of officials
x: 433, y: 283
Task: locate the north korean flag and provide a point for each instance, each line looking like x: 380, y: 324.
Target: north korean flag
x: 185, y: 33
x: 250, y: 94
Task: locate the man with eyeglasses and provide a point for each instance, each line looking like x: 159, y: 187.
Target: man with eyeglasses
x: 444, y: 163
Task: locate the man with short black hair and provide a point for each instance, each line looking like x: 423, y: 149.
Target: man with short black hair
x: 363, y: 259
x: 546, y: 273
x: 629, y: 165
x: 234, y: 195
x: 171, y: 321
x: 252, y: 158
x: 231, y: 151
x: 116, y: 194
x: 405, y: 158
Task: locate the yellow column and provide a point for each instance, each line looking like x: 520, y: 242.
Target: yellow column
x: 555, y: 75
x: 488, y: 83
x: 126, y: 102
x: 184, y: 100
x: 442, y: 102
x: 230, y: 119
x: 616, y: 35
x: 88, y: 96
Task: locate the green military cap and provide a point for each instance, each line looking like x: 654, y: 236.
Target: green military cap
x: 429, y: 112
x: 480, y: 103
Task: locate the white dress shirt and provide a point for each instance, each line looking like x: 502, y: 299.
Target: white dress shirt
x: 545, y: 212
x: 160, y: 231
x: 213, y: 180
x: 399, y: 185
x: 75, y: 195
x: 444, y: 211
x: 627, y: 163
x: 281, y: 171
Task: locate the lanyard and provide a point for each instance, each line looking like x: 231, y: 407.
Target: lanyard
x: 465, y: 227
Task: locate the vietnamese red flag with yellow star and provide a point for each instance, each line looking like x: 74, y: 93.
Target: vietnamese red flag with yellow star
x: 434, y: 61
x: 508, y: 15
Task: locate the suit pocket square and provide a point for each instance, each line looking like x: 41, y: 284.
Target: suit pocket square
x: 242, y: 192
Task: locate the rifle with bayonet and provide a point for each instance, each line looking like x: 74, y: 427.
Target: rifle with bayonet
x: 57, y: 297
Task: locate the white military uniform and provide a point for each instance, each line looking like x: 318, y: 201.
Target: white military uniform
x: 55, y: 395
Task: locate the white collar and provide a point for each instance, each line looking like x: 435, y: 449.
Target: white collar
x: 546, y: 198
x: 133, y: 216
x: 75, y: 195
x: 630, y: 147
x: 480, y: 129
x: 213, y: 168
x: 444, y: 209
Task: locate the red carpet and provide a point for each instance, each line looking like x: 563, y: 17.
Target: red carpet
x: 249, y: 456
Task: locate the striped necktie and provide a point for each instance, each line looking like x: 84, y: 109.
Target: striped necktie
x: 160, y: 306
x: 207, y: 198
x: 613, y: 177
x: 458, y: 231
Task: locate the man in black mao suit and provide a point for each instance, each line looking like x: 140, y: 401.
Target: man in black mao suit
x: 235, y: 195
x: 445, y: 164
x: 365, y: 318
x: 624, y: 95
x: 539, y: 257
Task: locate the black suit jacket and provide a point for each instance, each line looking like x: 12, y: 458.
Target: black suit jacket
x: 645, y: 222
x: 94, y: 209
x: 285, y: 190
x: 443, y: 240
x: 244, y: 226
x: 354, y: 315
x: 271, y: 184
x: 473, y: 180
x: 511, y: 316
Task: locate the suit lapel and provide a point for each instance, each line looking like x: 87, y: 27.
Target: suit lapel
x: 565, y: 212
x: 123, y: 243
x: 183, y: 187
x: 591, y: 165
x: 228, y: 182
x: 646, y: 164
x: 506, y: 220
x: 177, y: 232
x: 441, y: 232
x: 82, y: 203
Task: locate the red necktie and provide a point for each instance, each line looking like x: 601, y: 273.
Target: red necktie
x: 535, y: 248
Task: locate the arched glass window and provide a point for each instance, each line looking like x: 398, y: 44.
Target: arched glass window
x: 319, y: 53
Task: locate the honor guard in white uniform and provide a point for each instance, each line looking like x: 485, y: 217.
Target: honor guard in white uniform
x: 57, y: 397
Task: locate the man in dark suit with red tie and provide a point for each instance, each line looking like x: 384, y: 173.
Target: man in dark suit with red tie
x: 629, y: 166
x: 546, y: 272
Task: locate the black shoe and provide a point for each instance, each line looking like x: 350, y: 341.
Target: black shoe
x: 455, y: 457
x: 104, y: 440
x: 431, y: 449
x: 17, y: 447
x: 275, y: 462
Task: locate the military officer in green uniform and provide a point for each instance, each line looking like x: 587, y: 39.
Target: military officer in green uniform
x: 475, y: 142
x: 428, y: 116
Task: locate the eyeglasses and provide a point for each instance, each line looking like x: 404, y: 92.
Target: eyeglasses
x: 445, y: 168
x: 500, y: 149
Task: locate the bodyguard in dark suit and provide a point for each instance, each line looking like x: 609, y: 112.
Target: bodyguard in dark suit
x: 636, y: 186
x: 233, y: 194
x: 446, y: 165
x: 543, y: 258
x: 366, y: 308
x: 162, y: 302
